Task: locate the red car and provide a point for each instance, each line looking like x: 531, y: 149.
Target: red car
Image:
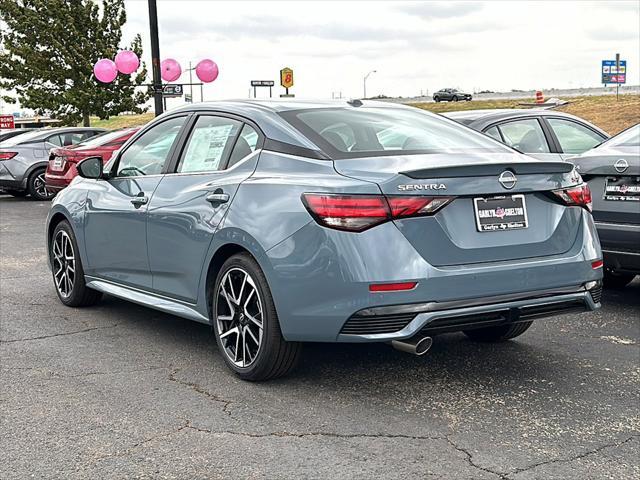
x: 63, y: 160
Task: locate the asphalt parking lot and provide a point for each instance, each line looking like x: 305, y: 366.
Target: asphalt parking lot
x: 117, y: 391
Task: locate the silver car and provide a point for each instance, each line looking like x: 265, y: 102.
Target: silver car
x: 613, y: 173
x: 24, y: 158
x: 543, y: 134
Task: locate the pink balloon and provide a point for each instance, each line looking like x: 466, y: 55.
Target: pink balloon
x: 207, y: 70
x: 171, y: 70
x: 127, y: 62
x: 105, y: 70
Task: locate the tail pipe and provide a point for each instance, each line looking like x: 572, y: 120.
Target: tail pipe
x: 415, y: 345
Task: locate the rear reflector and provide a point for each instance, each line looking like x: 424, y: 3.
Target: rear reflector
x: 359, y: 212
x: 597, y: 264
x: 579, y: 196
x: 392, y: 287
x: 7, y: 155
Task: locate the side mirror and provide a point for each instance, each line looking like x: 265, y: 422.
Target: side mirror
x: 90, y: 168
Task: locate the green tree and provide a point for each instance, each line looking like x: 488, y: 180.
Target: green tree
x: 47, y: 52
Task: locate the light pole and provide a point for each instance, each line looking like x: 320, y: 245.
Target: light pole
x: 365, y: 82
x: 155, y: 56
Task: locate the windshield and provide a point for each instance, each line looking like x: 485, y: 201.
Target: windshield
x: 22, y: 138
x: 628, y: 138
x: 104, y: 138
x: 374, y: 131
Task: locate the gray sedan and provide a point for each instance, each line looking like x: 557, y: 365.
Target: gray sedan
x: 613, y: 173
x: 24, y: 158
x: 544, y: 134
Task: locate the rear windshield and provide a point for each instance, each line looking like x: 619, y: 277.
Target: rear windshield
x: 374, y: 131
x: 629, y: 138
x: 104, y: 138
x: 23, y: 138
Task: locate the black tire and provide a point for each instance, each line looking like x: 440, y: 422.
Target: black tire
x: 436, y: 99
x: 455, y: 99
x: 498, y: 334
x: 273, y: 357
x: 35, y: 186
x: 617, y: 280
x: 75, y: 293
x: 17, y: 193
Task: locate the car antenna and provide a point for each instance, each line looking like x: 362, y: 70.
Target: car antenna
x: 355, y: 102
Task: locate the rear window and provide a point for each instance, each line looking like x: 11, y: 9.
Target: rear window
x: 374, y: 131
x: 629, y: 138
x: 104, y: 138
x: 24, y: 138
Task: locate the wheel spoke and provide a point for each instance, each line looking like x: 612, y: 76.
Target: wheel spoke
x: 232, y: 290
x: 225, y: 295
x: 252, y: 335
x: 244, y: 282
x: 257, y: 322
x: 229, y: 332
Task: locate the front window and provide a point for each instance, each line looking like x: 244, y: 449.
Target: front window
x: 374, y: 131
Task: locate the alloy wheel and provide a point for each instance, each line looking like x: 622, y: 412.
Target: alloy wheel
x: 239, y: 317
x: 64, y: 264
x: 40, y: 186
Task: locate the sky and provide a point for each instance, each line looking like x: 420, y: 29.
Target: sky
x: 415, y: 47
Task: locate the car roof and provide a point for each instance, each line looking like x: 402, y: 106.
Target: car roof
x: 282, y: 105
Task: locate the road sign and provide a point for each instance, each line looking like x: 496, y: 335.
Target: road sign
x: 612, y: 73
x: 262, y: 83
x: 7, y: 121
x: 172, y: 90
x: 286, y: 77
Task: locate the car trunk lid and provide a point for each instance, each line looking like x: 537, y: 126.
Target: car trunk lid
x: 453, y: 235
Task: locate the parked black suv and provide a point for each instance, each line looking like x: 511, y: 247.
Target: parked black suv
x: 450, y: 95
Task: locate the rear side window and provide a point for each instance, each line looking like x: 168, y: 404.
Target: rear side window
x: 245, y: 145
x: 55, y: 140
x: 525, y: 135
x: 573, y: 137
x: 494, y: 133
x: 209, y: 144
x: 374, y: 131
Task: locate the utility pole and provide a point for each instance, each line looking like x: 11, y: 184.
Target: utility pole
x: 155, y: 57
x: 365, y: 83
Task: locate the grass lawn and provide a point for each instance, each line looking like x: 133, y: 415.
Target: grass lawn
x: 605, y: 111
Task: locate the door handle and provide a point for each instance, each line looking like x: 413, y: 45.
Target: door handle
x: 140, y: 200
x: 217, y: 198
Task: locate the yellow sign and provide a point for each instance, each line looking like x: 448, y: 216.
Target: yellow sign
x: 286, y: 77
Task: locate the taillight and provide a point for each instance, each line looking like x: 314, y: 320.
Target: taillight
x: 359, y: 212
x: 579, y: 196
x: 7, y: 155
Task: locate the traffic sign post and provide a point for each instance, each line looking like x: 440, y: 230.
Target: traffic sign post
x: 286, y: 80
x: 614, y: 72
x: 7, y: 121
x: 262, y: 83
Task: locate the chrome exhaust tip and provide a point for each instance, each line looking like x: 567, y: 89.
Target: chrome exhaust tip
x: 416, y: 345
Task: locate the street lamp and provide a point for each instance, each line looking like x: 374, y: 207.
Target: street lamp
x: 365, y: 82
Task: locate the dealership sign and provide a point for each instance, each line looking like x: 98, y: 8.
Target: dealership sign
x: 612, y: 73
x: 7, y: 121
x: 172, y: 90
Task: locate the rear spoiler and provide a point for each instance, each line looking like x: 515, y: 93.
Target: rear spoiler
x: 490, y: 169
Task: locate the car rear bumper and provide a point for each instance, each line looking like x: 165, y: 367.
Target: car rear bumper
x: 57, y: 181
x: 620, y: 246
x: 405, y: 321
x: 320, y: 279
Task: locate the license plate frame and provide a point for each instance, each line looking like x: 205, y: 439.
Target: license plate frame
x: 57, y: 163
x: 616, y: 194
x: 487, y: 223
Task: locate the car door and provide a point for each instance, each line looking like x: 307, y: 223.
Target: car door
x: 573, y: 138
x: 191, y: 201
x: 116, y: 208
x: 525, y: 135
